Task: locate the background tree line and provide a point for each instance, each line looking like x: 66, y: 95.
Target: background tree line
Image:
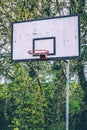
x: 32, y: 94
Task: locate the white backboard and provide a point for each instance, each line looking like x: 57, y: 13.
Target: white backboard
x: 59, y: 35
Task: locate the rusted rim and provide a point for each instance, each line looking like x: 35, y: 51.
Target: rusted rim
x: 38, y: 52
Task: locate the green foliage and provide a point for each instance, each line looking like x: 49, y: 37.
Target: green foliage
x: 32, y: 96
x: 76, y: 97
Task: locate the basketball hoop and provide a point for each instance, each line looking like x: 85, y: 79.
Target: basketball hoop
x: 42, y: 53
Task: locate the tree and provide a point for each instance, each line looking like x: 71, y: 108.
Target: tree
x: 33, y: 94
x: 79, y: 6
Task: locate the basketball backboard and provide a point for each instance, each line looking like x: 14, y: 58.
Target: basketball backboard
x: 59, y: 35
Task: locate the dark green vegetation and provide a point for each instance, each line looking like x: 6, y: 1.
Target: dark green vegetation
x: 32, y: 94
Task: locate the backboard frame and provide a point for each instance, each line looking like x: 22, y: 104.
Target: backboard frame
x: 46, y: 38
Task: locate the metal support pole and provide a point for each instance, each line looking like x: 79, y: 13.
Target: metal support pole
x: 67, y: 95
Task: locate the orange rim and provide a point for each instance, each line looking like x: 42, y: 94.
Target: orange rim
x: 38, y: 52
